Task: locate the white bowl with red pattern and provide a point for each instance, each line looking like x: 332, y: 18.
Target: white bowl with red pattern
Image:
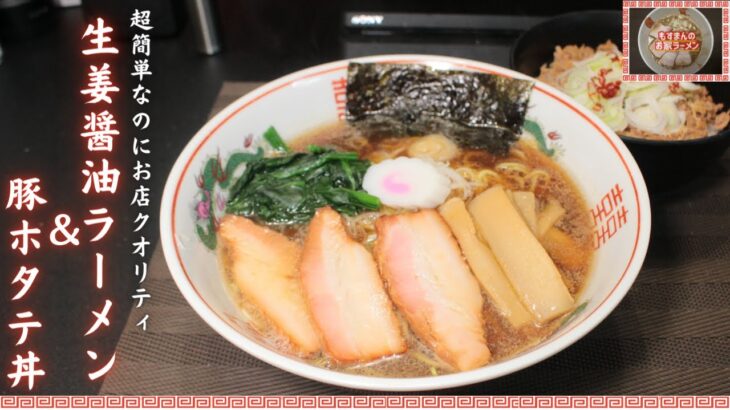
x: 592, y: 154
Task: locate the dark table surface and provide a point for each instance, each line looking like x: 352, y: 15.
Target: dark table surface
x: 41, y: 113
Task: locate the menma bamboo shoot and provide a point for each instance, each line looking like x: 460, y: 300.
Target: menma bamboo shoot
x: 483, y: 263
x: 527, y: 206
x: 549, y: 216
x: 525, y: 262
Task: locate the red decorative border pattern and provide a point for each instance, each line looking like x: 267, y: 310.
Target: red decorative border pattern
x: 365, y: 402
x: 725, y: 76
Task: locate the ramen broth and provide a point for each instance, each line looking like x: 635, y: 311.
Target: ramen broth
x: 524, y: 169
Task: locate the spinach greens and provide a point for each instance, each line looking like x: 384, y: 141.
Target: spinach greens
x: 274, y: 139
x: 288, y: 189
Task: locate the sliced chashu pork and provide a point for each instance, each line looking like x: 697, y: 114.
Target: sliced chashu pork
x: 263, y: 264
x: 345, y: 293
x: 432, y: 286
x: 668, y: 59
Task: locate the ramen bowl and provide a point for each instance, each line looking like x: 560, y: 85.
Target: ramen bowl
x: 595, y: 158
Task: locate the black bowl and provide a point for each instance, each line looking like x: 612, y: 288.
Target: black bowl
x: 666, y: 165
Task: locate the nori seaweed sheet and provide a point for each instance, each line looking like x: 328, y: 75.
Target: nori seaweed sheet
x: 476, y: 110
